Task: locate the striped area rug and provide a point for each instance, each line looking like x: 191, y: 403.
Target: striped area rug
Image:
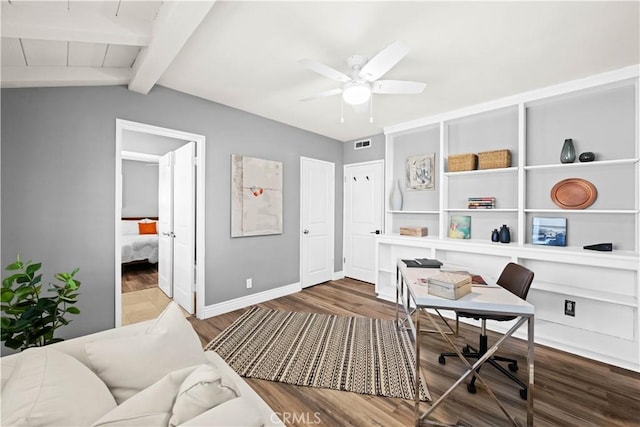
x: 367, y: 356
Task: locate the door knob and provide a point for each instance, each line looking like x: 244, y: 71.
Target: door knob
x: 306, y: 231
x: 375, y: 232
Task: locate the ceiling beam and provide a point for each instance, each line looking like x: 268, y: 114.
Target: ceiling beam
x: 27, y: 21
x: 64, y: 76
x: 175, y: 23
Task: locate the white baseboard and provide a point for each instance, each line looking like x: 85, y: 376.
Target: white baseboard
x: 337, y: 275
x: 246, y: 301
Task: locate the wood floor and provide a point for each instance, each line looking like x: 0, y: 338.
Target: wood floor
x: 142, y: 299
x: 569, y: 390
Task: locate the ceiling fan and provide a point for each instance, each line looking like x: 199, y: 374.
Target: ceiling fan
x: 362, y: 81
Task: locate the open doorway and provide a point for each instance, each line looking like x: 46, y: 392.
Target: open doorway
x: 145, y: 212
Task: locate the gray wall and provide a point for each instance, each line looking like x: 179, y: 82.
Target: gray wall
x: 374, y: 152
x: 139, y: 188
x: 58, y: 175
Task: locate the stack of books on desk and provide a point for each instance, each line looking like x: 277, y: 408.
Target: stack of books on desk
x: 449, y: 285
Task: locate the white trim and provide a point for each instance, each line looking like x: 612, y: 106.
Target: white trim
x: 140, y: 157
x: 121, y: 126
x: 248, y: 300
x: 337, y: 275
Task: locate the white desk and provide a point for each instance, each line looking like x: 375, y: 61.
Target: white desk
x: 484, y: 299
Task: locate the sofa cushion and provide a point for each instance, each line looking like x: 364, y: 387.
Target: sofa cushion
x: 203, y: 389
x: 50, y: 388
x: 130, y: 364
x: 151, y: 407
x: 235, y: 412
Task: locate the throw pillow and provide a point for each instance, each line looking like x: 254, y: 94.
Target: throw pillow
x: 147, y: 228
x: 203, y: 389
x: 130, y: 364
x: 238, y: 412
x: 51, y: 388
x: 151, y: 407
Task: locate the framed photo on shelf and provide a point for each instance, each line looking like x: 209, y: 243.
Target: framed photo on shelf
x: 421, y: 172
x: 460, y: 227
x: 549, y: 231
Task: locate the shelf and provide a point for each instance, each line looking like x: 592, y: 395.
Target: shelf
x: 607, y: 297
x: 584, y: 211
x: 582, y: 165
x: 512, y: 169
x: 481, y: 210
x: 413, y: 212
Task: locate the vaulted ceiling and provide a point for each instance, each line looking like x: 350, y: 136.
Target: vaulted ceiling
x: 244, y: 54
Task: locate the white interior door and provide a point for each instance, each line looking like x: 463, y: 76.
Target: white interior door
x: 363, y: 208
x: 184, y: 226
x: 317, y: 186
x: 165, y: 224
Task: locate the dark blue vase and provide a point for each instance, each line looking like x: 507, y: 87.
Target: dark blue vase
x: 495, y: 236
x: 505, y: 234
x: 568, y: 153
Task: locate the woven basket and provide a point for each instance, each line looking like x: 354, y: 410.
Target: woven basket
x: 494, y: 159
x: 462, y: 162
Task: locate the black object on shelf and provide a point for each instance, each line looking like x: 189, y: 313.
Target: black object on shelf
x: 422, y: 263
x: 505, y: 234
x: 587, y: 156
x: 602, y: 247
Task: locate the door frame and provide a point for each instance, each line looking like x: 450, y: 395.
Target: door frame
x: 121, y: 126
x: 344, y: 202
x: 332, y: 228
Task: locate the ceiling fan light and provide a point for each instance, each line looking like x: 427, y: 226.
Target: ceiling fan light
x: 356, y: 93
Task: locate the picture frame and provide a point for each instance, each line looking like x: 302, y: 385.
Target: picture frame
x: 459, y: 227
x: 549, y: 231
x: 421, y: 172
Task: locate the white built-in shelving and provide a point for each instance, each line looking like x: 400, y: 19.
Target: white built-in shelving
x: 601, y: 114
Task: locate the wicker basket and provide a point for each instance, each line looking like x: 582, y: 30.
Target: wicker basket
x: 494, y: 159
x: 462, y: 162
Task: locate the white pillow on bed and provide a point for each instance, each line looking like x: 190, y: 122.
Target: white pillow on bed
x: 130, y: 227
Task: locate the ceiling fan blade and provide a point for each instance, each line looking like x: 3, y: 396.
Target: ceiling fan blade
x: 397, y: 87
x: 322, y: 94
x: 384, y: 61
x: 324, y: 70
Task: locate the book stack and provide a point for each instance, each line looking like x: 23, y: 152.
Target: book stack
x: 481, y: 202
x: 449, y: 285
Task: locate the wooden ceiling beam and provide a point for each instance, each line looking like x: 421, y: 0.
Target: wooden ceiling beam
x: 64, y: 76
x: 175, y: 23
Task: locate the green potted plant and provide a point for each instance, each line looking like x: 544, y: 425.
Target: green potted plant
x: 30, y: 319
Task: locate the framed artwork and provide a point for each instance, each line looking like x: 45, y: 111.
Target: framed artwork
x: 421, y: 172
x: 460, y: 227
x: 256, y: 196
x: 549, y: 231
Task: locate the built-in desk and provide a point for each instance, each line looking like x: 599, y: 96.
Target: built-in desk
x: 413, y: 299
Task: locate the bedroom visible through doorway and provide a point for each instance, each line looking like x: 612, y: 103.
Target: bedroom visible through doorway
x: 145, y: 230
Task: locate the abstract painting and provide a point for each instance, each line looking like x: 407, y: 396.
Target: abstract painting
x: 460, y: 227
x: 256, y: 196
x: 421, y: 171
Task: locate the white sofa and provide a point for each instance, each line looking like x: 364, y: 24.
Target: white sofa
x: 153, y: 373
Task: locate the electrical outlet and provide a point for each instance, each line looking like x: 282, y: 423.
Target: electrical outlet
x: 249, y: 283
x: 569, y: 308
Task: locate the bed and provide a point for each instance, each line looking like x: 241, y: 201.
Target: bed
x: 137, y: 247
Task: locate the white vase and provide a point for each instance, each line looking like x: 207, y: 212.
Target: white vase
x: 396, y: 198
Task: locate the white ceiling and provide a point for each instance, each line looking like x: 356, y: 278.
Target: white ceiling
x: 243, y: 54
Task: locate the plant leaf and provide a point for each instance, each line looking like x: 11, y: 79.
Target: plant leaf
x: 73, y: 310
x: 7, y: 295
x: 14, y: 266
